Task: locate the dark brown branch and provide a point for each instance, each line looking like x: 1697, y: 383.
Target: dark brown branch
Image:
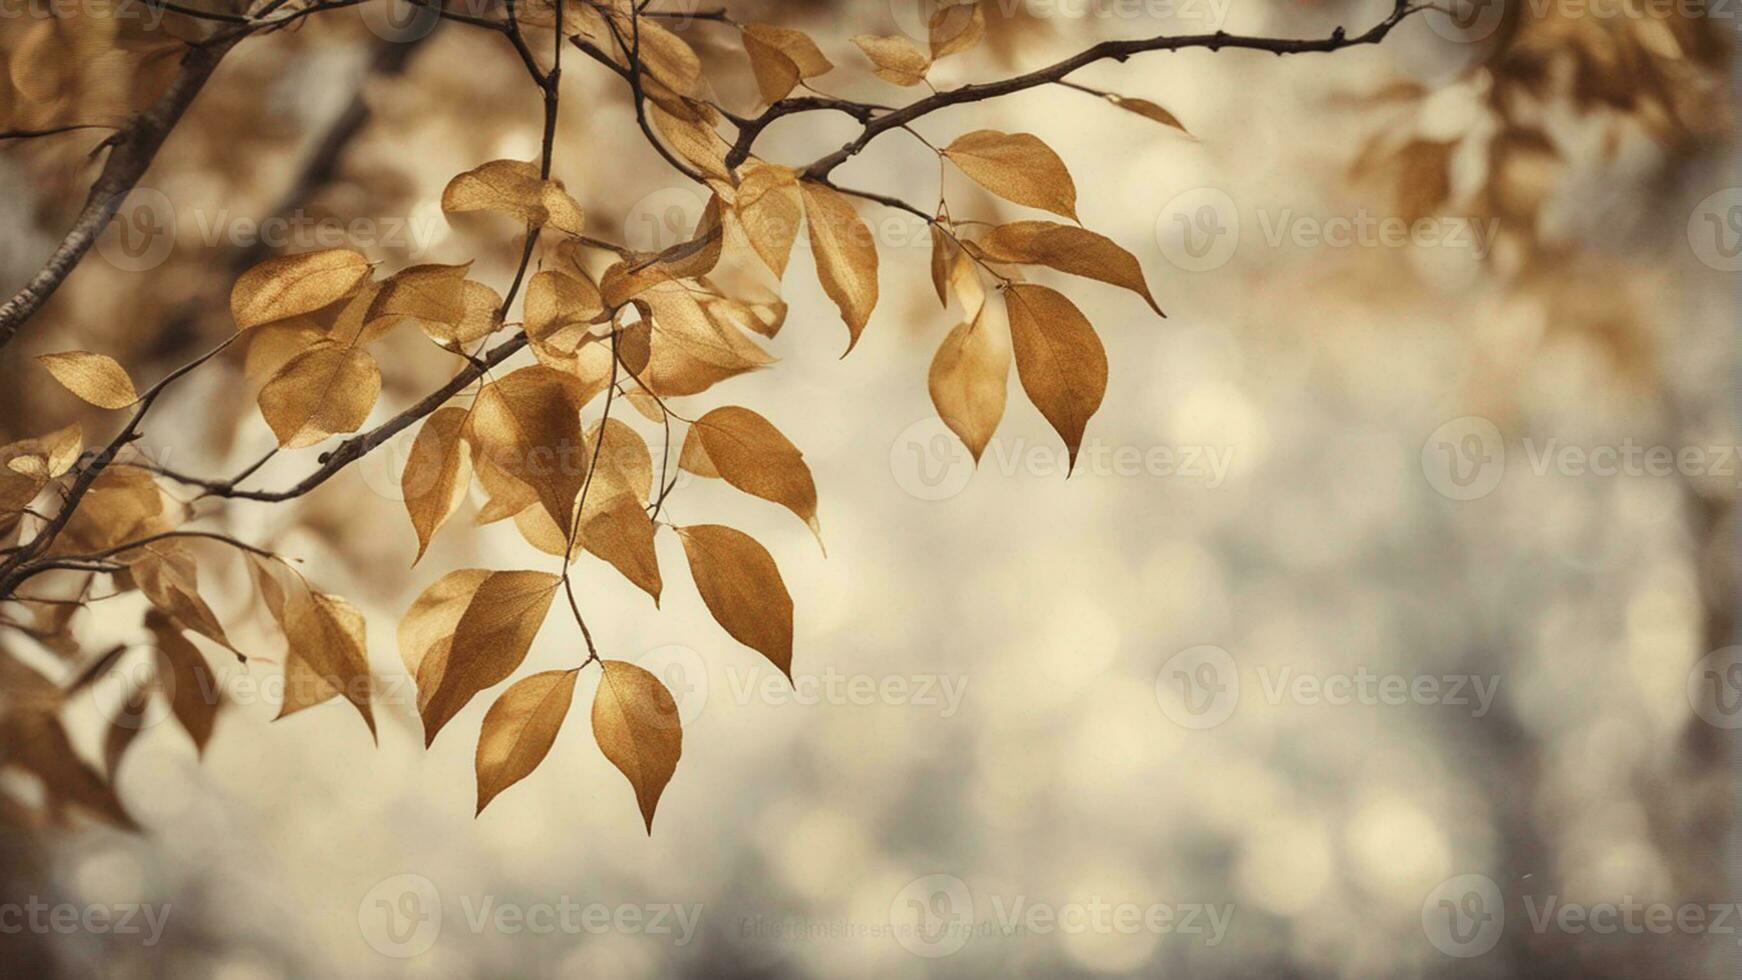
x: 1104, y: 51
x: 134, y: 147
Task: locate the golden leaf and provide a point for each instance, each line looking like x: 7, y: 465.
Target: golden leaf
x: 770, y: 208
x: 625, y: 464
x: 519, y: 730
x: 636, y: 724
x: 1068, y: 249
x: 193, y: 688
x: 956, y: 28
x: 271, y: 347
x: 742, y: 588
x: 38, y: 744
x: 433, y: 296
x: 30, y: 463
x: 168, y: 576
x: 1149, y: 110
x: 895, y: 59
x: 748, y: 452
x: 516, y: 188
x: 846, y: 255
x: 779, y: 57
x: 527, y: 425
x: 620, y: 532
x: 689, y: 350
x: 940, y: 263
x: 969, y: 379
x: 328, y: 654
x: 695, y: 141
x: 292, y: 285
x: 326, y: 389
x: 480, y: 316
x: 560, y: 309
x: 1059, y: 358
x: 496, y: 623
x: 1017, y: 167
x: 437, y: 474
x: 97, y: 378
x: 690, y: 259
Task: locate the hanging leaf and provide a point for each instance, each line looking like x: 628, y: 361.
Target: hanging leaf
x: 846, y: 255
x: 514, y: 187
x: 494, y: 623
x: 1059, y: 358
x: 560, y: 309
x: 97, y: 378
x: 292, y: 285
x: 770, y: 208
x: 636, y: 724
x: 1149, y: 110
x: 193, y: 688
x: 779, y: 57
x: 328, y: 654
x: 437, y: 474
x: 1067, y: 248
x: 528, y: 427
x: 748, y: 452
x: 329, y: 388
x: 519, y: 730
x: 969, y: 379
x: 955, y: 28
x: 1017, y: 167
x: 742, y: 588
x: 895, y: 59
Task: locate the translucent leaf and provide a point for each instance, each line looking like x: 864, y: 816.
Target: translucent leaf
x: 497, y: 620
x: 519, y: 730
x: 292, y: 285
x: 742, y: 588
x: 895, y: 59
x: 748, y: 452
x: 97, y: 378
x: 1068, y: 249
x: 1017, y: 167
x: 969, y: 380
x: 437, y: 474
x: 636, y: 724
x: 1059, y: 358
x: 846, y: 255
x: 329, y: 388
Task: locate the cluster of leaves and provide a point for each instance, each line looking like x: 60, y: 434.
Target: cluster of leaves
x: 605, y: 325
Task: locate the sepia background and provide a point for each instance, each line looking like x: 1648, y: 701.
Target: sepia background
x: 1344, y: 462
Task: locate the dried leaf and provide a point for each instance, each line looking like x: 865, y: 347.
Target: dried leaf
x: 1017, y: 167
x: 1068, y: 249
x: 514, y: 187
x: 519, y: 730
x: 433, y: 296
x: 940, y: 264
x: 1059, y: 358
x: 560, y: 309
x: 328, y: 654
x: 747, y: 451
x: 636, y: 724
x: 491, y: 635
x: 97, y: 378
x: 895, y: 59
x: 956, y: 28
x: 329, y: 388
x: 969, y: 379
x: 846, y: 255
x: 779, y: 57
x: 742, y: 588
x: 1149, y: 110
x: 193, y: 688
x: 437, y: 473
x: 528, y: 426
x: 37, y: 743
x: 770, y: 209
x: 271, y: 347
x: 292, y: 285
